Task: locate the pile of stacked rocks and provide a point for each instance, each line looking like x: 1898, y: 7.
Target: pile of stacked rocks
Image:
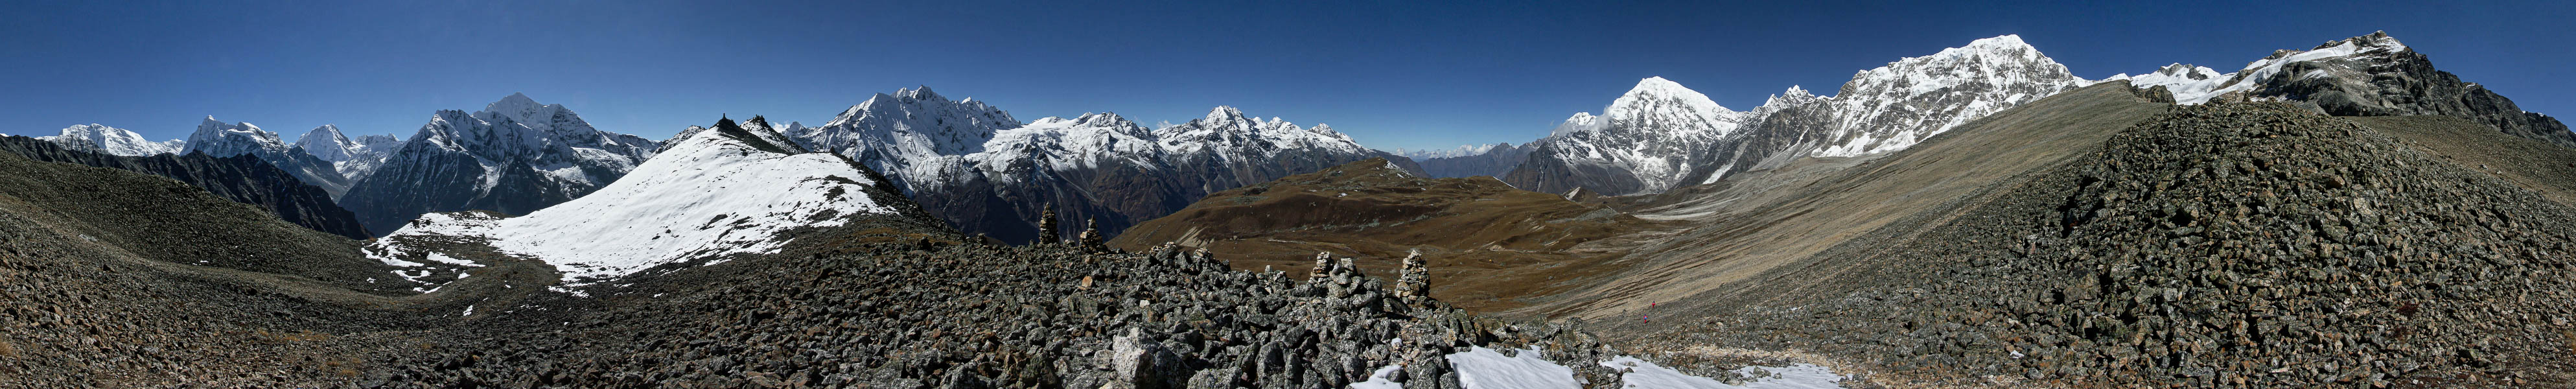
x: 981, y: 316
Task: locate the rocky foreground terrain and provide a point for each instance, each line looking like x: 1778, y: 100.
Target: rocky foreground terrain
x: 90, y: 302
x: 2224, y: 245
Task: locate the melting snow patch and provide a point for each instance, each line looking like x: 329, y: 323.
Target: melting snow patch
x: 1484, y: 368
x: 1384, y: 378
x: 469, y: 310
x: 1637, y: 373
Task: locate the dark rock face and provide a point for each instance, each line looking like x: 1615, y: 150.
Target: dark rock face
x: 2400, y: 82
x: 1492, y: 163
x: 513, y: 157
x: 240, y: 178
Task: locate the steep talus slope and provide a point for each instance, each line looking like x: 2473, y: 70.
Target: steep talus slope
x: 239, y: 178
x: 2541, y: 166
x: 169, y: 221
x: 1486, y: 244
x: 112, y: 278
x: 2230, y: 244
x: 1743, y: 227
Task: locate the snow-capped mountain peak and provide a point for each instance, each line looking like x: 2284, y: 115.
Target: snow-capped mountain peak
x: 220, y: 139
x: 727, y: 190
x: 111, y: 140
x: 326, y: 142
x: 1657, y: 102
x: 1580, y: 122
x: 1894, y: 106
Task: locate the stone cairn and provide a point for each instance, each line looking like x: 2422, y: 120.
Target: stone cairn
x: 1091, y: 237
x: 1413, y: 286
x: 1046, y: 227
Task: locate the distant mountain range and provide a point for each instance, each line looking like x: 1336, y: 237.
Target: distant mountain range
x: 986, y: 172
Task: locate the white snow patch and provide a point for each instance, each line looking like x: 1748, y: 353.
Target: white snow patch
x: 1383, y: 378
x: 1638, y: 373
x: 1484, y: 368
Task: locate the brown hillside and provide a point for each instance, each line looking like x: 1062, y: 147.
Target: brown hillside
x: 1489, y: 245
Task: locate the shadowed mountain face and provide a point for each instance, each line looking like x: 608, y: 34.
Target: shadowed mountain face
x: 243, y: 179
x: 515, y: 156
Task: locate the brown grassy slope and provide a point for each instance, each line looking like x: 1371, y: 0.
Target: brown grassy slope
x: 1765, y: 220
x: 1488, y: 245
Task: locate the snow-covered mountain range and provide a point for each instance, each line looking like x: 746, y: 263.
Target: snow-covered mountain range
x: 1460, y: 151
x: 1661, y: 135
x: 719, y: 191
x: 986, y: 172
x: 219, y: 139
x: 515, y: 156
x: 112, y: 140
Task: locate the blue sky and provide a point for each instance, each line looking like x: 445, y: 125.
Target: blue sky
x: 1392, y: 74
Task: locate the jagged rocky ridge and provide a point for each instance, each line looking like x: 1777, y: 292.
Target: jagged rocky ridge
x: 515, y: 156
x: 979, y: 169
x: 1661, y: 135
x: 2369, y: 75
x: 243, y: 179
x: 219, y: 139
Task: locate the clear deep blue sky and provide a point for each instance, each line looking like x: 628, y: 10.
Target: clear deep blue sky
x: 1392, y: 74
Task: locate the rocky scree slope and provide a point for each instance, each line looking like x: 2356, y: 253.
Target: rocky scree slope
x: 1487, y: 244
x: 169, y: 221
x: 239, y: 178
x: 2220, y: 245
x: 967, y: 315
x: 515, y: 156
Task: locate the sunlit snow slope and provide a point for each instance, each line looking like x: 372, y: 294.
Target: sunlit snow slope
x: 718, y: 192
